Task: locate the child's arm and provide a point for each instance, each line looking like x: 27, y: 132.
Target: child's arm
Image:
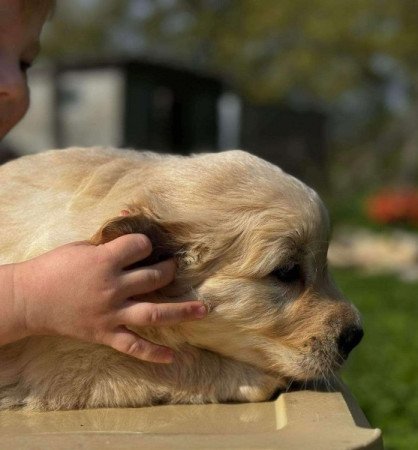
x: 82, y: 291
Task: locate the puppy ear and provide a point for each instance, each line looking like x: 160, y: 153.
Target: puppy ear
x: 162, y: 245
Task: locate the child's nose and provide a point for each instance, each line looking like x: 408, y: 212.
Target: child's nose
x: 14, y: 95
x: 12, y: 81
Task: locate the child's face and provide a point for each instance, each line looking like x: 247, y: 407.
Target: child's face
x: 19, y: 45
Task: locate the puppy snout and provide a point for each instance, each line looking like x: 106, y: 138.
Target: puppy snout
x: 348, y: 339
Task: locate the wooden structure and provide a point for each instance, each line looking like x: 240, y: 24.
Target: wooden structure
x: 164, y: 108
x: 294, y: 421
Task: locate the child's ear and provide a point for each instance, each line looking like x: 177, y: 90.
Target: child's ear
x: 162, y: 244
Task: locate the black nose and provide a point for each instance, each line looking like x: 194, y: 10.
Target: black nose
x: 348, y: 339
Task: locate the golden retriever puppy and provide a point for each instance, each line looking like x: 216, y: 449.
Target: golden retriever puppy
x: 249, y: 240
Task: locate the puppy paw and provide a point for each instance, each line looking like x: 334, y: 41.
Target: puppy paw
x: 260, y: 391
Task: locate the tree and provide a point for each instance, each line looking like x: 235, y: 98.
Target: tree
x: 340, y: 55
x: 324, y: 52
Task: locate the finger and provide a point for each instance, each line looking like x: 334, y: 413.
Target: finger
x: 160, y: 314
x: 148, y: 279
x: 129, y: 248
x: 126, y: 341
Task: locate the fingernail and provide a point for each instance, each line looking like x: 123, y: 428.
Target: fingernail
x: 200, y: 312
x: 167, y: 356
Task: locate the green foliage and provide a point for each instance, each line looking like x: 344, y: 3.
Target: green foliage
x: 342, y: 57
x: 321, y: 47
x: 349, y: 210
x: 82, y: 29
x: 382, y: 371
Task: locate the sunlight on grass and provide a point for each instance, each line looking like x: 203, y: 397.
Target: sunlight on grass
x: 382, y: 371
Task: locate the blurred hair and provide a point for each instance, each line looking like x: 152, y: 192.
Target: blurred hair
x: 42, y: 7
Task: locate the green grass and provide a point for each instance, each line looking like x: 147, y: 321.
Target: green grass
x: 382, y: 372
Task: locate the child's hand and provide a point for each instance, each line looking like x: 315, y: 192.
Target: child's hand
x: 82, y: 291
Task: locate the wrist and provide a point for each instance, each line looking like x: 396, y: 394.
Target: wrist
x: 12, y: 305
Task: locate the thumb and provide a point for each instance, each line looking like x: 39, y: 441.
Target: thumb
x: 128, y: 342
x: 129, y: 248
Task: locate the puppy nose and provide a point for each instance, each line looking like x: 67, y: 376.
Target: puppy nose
x: 348, y: 339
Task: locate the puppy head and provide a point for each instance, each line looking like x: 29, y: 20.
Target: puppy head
x: 250, y: 241
x: 274, y: 302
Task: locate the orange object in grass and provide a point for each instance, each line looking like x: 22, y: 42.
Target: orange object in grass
x: 394, y: 206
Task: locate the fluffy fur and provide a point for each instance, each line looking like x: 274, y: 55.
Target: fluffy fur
x: 250, y: 240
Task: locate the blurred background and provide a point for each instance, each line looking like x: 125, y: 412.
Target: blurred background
x: 326, y: 89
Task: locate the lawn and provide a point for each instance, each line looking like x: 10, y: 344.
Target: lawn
x: 382, y: 371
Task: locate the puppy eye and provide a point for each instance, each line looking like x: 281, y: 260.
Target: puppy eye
x: 288, y: 273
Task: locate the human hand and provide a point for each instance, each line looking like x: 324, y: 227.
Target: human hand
x: 83, y: 291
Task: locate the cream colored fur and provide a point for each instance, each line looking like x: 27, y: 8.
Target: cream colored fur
x: 231, y: 219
